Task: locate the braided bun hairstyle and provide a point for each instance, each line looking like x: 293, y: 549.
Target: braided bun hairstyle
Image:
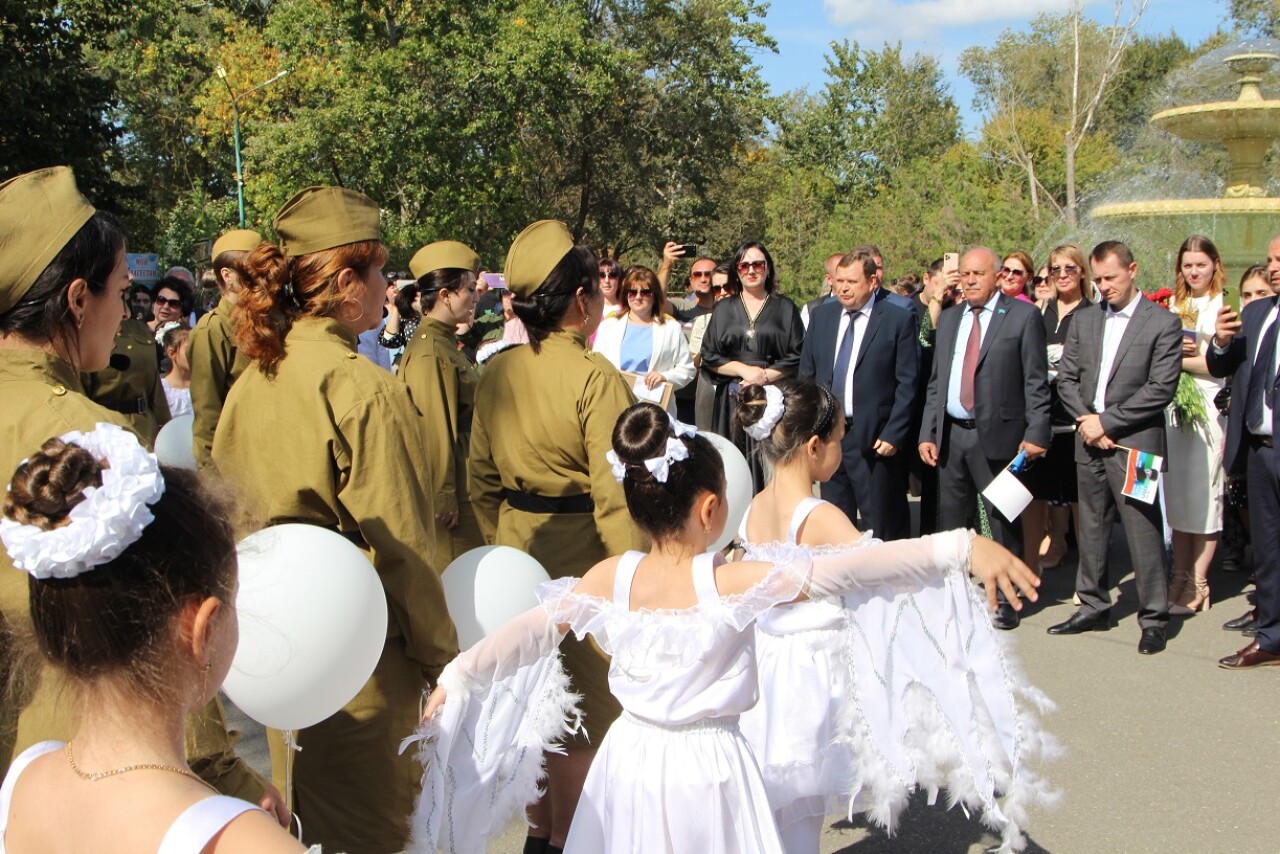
x: 661, y: 509
x: 120, y: 620
x: 810, y: 410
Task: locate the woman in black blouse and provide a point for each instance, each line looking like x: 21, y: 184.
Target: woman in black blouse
x: 1052, y: 480
x: 752, y: 339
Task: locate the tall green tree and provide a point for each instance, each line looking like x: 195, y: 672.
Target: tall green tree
x: 1259, y: 17
x: 56, y: 105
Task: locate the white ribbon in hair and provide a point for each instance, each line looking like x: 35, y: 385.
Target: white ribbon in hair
x: 109, y: 520
x: 164, y: 330
x: 659, y: 467
x: 773, y: 412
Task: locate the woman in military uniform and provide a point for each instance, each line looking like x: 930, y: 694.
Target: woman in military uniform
x: 63, y: 291
x: 442, y: 383
x: 130, y: 382
x: 313, y: 433
x: 211, y: 349
x: 540, y: 482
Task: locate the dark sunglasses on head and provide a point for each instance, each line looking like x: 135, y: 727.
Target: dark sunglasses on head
x: 641, y: 292
x: 752, y: 266
x: 176, y: 303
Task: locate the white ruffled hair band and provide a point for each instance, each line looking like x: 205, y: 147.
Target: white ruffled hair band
x: 774, y: 409
x: 659, y: 467
x: 108, y: 521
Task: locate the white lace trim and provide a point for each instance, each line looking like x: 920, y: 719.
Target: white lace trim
x: 108, y: 521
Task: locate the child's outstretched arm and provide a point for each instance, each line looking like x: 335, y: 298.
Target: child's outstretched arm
x: 920, y: 561
x: 519, y: 641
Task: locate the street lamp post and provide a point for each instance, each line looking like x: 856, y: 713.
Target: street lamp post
x: 235, y: 114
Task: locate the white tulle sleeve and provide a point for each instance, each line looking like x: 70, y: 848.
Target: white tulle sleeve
x: 899, y: 563
x: 516, y: 643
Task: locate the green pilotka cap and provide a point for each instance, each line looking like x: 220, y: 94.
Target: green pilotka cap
x: 444, y: 255
x: 39, y: 214
x: 320, y: 218
x: 236, y: 240
x: 534, y: 254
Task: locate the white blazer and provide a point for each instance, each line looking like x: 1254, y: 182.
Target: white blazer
x: 670, y: 356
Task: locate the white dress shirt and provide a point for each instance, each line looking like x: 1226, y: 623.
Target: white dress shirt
x: 1113, y: 327
x: 954, y: 409
x: 859, y: 332
x: 1264, y: 429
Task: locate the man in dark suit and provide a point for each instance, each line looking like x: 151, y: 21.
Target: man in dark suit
x: 988, y: 399
x: 1119, y: 370
x: 864, y: 349
x: 1247, y: 347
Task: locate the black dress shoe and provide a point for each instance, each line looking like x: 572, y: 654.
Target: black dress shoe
x: 1250, y: 629
x: 1153, y: 640
x: 1005, y: 617
x: 1080, y: 622
x: 1239, y: 622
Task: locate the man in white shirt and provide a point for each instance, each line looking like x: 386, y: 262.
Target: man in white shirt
x: 1119, y: 371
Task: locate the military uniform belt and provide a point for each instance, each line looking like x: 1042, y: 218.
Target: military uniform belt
x: 530, y: 503
x: 129, y: 406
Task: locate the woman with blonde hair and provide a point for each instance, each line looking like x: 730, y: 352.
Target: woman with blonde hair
x: 312, y: 433
x: 644, y: 339
x: 1052, y: 480
x: 1193, y: 485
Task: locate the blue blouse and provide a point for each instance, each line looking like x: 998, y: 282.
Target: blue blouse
x: 637, y: 347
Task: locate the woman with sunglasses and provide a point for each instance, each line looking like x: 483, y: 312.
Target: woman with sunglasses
x: 644, y: 339
x: 170, y: 301
x: 1044, y: 289
x: 1052, y: 480
x: 751, y: 339
x: 1015, y: 275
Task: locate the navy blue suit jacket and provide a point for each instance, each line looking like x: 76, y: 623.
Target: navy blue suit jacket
x: 1238, y: 359
x: 884, y: 370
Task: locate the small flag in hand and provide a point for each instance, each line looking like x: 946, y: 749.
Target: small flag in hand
x: 1142, y: 475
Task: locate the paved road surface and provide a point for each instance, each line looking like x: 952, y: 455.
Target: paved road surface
x: 1167, y: 753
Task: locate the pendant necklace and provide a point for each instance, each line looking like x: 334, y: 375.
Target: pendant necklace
x: 149, y: 766
x: 751, y: 321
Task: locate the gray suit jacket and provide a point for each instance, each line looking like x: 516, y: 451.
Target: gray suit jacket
x: 1144, y: 375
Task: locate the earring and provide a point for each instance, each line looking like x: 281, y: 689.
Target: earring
x: 207, y: 665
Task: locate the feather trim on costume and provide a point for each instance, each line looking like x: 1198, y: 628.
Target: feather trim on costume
x: 937, y: 701
x: 483, y: 756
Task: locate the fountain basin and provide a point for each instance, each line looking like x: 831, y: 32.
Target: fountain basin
x: 1222, y: 120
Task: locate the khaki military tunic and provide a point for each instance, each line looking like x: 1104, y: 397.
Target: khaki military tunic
x: 136, y: 391
x: 328, y: 441
x: 543, y: 424
x: 442, y: 383
x: 215, y: 363
x: 42, y: 398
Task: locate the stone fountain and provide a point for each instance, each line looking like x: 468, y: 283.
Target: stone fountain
x: 1243, y: 220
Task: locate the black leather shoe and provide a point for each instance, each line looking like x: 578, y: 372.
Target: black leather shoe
x: 1239, y: 622
x: 1005, y: 617
x: 1153, y: 641
x: 1080, y: 622
x: 1250, y: 630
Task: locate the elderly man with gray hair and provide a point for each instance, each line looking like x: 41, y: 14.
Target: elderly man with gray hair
x: 987, y: 400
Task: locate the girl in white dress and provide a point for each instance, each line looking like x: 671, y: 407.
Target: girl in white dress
x: 674, y: 774
x: 799, y: 429
x: 1193, y: 485
x: 177, y: 383
x: 143, y: 635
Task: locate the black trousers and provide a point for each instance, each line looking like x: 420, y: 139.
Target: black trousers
x: 1263, y: 467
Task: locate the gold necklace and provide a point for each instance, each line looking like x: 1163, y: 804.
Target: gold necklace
x: 751, y: 321
x: 150, y: 766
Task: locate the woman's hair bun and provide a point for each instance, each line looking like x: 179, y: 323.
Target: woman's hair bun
x: 50, y: 483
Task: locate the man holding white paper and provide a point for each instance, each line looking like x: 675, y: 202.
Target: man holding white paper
x: 1119, y: 371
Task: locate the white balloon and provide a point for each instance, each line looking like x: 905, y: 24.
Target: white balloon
x: 738, y: 489
x: 173, y: 443
x: 313, y: 622
x: 487, y: 586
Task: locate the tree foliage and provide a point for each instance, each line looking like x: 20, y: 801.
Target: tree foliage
x: 1259, y: 17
